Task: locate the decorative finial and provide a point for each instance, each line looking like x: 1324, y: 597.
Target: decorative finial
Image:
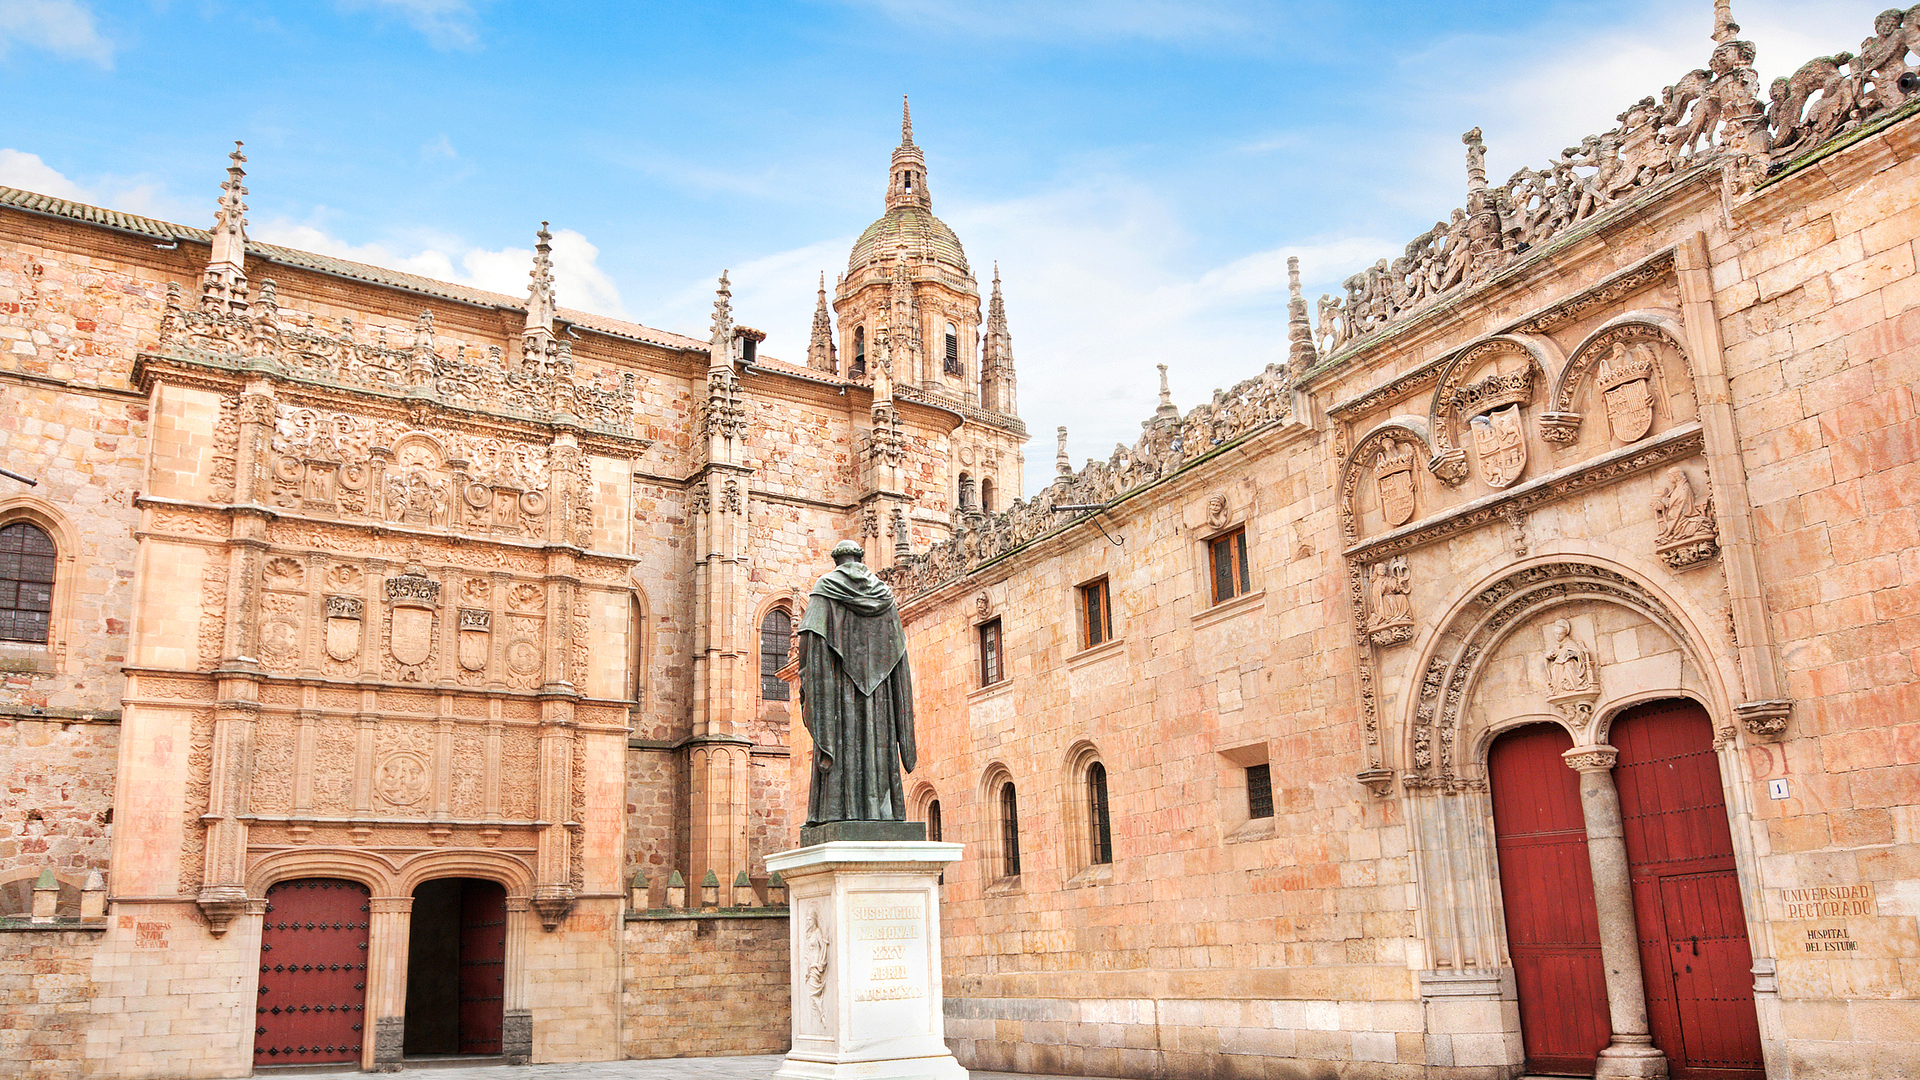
x: 1061, y: 464
x: 1166, y: 409
x: 820, y: 351
x: 1724, y: 28
x: 225, y: 281
x: 1476, y: 160
x: 1300, y: 355
x: 722, y: 310
x: 906, y: 122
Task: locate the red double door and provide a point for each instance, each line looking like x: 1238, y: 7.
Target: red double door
x: 1694, y: 956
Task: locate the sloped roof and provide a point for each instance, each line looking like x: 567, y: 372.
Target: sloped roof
x: 169, y: 232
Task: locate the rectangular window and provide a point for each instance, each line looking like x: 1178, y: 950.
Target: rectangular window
x: 1228, y: 556
x: 1259, y: 791
x: 990, y: 667
x: 1098, y: 613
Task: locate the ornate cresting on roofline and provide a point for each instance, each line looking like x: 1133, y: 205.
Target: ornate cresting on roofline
x: 1711, y: 115
x: 1168, y: 443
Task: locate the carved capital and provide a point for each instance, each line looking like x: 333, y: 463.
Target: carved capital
x: 1588, y: 759
x: 552, y: 903
x: 1377, y: 780
x: 1764, y: 719
x: 1690, y: 553
x: 1560, y: 427
x: 1450, y: 465
x: 221, y: 904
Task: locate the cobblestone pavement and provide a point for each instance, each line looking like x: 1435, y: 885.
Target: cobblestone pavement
x: 758, y: 1067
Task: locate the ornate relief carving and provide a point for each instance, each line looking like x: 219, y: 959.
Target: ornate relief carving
x: 333, y: 757
x: 527, y: 596
x: 343, y: 626
x: 1392, y: 584
x: 1688, y: 535
x: 1626, y: 385
x: 280, y: 636
x: 193, y: 852
x: 1393, y: 481
x: 1572, y: 680
x: 1764, y: 719
x: 413, y: 601
x: 403, y: 770
x: 1218, y: 516
x: 1591, y: 758
x: 213, y: 610
x: 476, y: 637
x: 469, y: 774
x: 272, y: 774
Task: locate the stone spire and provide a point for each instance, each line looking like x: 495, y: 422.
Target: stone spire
x: 1724, y: 28
x: 1166, y: 410
x: 540, y: 303
x: 226, y: 277
x: 1300, y: 354
x: 720, y: 345
x: 820, y: 351
x: 907, y: 184
x: 996, y: 370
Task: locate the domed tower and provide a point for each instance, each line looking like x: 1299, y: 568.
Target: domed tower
x: 908, y: 293
x: 909, y: 302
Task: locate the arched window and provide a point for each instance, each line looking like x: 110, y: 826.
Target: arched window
x: 1009, y: 832
x: 966, y: 492
x: 933, y: 820
x: 1099, y: 827
x: 986, y: 494
x: 859, y: 351
x: 26, y: 582
x: 776, y: 632
x: 952, y: 366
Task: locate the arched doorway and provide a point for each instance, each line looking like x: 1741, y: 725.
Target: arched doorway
x: 312, y: 1003
x: 1694, y: 955
x: 1546, y: 884
x: 456, y: 968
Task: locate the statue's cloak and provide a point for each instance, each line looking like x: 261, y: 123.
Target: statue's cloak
x: 856, y: 695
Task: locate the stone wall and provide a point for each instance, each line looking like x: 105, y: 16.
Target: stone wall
x: 56, y: 809
x: 703, y: 985
x: 47, y: 994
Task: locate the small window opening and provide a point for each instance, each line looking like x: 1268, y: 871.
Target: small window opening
x: 990, y: 666
x: 1259, y: 791
x: 1097, y: 608
x: 933, y: 820
x: 1228, y: 554
x: 1009, y: 832
x: 859, y: 351
x: 952, y: 366
x: 986, y: 494
x: 1100, y: 840
x: 776, y: 634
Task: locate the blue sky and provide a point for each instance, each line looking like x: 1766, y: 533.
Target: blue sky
x: 1139, y: 168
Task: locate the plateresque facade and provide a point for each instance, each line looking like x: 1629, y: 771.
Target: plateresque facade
x: 1515, y: 676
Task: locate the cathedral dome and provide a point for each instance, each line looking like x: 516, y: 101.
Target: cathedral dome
x: 912, y: 232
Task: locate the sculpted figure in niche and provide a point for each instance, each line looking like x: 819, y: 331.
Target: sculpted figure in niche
x: 856, y: 694
x: 1392, y: 585
x: 1569, y: 666
x: 1681, y: 517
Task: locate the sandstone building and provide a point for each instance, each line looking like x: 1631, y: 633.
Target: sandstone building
x: 1515, y: 676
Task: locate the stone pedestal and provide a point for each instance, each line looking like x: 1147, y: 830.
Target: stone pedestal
x: 866, y: 960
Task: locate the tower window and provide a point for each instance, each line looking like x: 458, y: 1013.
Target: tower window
x: 1099, y: 827
x: 986, y: 494
x: 26, y: 583
x: 952, y: 366
x: 776, y: 634
x: 966, y: 492
x: 1009, y: 832
x: 859, y: 351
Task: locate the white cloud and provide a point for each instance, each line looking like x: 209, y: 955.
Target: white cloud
x: 134, y: 195
x: 439, y: 148
x: 446, y: 24
x: 578, y: 280
x: 62, y: 27
x: 775, y: 293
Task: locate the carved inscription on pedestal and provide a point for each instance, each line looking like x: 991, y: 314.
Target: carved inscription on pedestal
x: 888, y: 964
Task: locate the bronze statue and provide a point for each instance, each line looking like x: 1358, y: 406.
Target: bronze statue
x: 856, y: 694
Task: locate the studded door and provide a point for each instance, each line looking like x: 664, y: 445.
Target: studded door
x: 483, y: 966
x: 312, y: 1004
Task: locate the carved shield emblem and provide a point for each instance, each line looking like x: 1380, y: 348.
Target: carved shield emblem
x: 1630, y: 409
x: 1393, y: 479
x: 475, y: 636
x: 412, y: 634
x: 343, y: 627
x: 1500, y: 439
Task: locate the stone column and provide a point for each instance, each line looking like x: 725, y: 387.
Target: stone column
x: 1630, y: 1053
x: 390, y: 927
x: 516, y: 1035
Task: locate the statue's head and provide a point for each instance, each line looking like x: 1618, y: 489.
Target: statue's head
x: 847, y: 551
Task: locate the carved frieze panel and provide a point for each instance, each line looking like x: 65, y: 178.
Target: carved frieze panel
x: 273, y: 765
x: 403, y: 768
x: 281, y: 633
x: 524, y: 651
x: 413, y: 604
x: 519, y: 773
x: 476, y: 643
x: 469, y: 774
x: 1634, y: 374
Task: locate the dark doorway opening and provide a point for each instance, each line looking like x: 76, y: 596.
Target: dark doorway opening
x: 456, y: 968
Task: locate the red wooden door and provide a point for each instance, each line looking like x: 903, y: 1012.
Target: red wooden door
x: 1546, y: 882
x: 1694, y: 954
x: 483, y: 965
x: 313, y: 973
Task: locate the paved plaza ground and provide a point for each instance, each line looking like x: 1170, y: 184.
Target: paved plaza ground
x: 756, y: 1067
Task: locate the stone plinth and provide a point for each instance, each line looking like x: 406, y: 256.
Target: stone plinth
x: 866, y: 960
